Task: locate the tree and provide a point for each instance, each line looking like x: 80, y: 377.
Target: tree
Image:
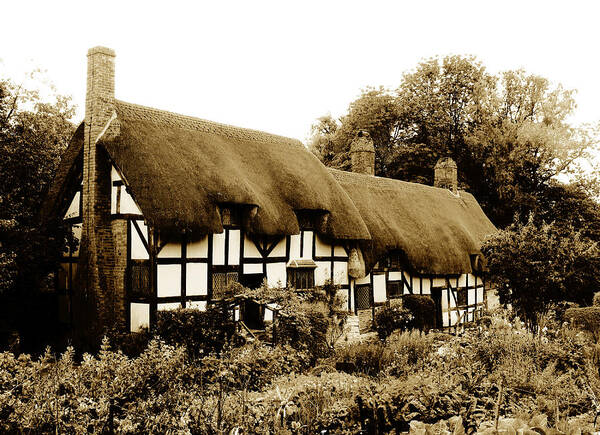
x: 536, y: 265
x: 33, y: 135
x: 508, y: 134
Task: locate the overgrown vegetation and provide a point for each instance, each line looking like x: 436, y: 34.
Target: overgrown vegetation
x: 496, y: 376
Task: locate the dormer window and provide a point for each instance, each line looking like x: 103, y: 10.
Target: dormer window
x: 230, y: 216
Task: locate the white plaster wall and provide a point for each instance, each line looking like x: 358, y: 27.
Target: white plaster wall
x: 234, y: 247
x: 138, y: 250
x: 168, y: 280
x: 379, y: 293
x: 170, y: 250
x: 395, y: 276
x: 439, y: 282
x: 480, y: 295
x: 426, y: 285
x: 307, y: 245
x: 295, y: 246
x: 407, y: 276
x: 251, y: 268
x: 322, y: 249
x: 322, y: 272
x: 340, y: 272
x: 198, y: 248
x: 416, y: 285
x: 471, y: 296
x: 139, y: 316
x: 250, y: 250
x: 218, y: 249
x: 339, y: 251
x: 73, y: 210
x: 279, y: 249
x: 276, y: 274
x: 196, y: 279
x: 128, y: 205
x: 114, y: 175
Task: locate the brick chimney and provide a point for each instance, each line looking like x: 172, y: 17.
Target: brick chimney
x: 446, y: 174
x: 94, y: 299
x: 362, y: 154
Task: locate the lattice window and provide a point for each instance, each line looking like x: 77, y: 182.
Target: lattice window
x: 139, y: 277
x: 301, y: 278
x: 363, y: 297
x: 220, y: 281
x: 230, y: 216
x: 394, y: 289
x: 462, y: 297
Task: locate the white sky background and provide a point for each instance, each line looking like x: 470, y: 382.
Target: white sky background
x: 277, y: 66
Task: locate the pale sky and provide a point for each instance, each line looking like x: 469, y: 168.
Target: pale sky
x: 277, y: 66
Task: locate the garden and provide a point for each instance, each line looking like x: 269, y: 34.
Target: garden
x: 195, y: 374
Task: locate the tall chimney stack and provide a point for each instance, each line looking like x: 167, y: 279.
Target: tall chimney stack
x: 95, y: 292
x: 362, y: 154
x: 446, y: 174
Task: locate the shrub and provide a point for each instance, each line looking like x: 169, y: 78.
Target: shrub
x: 422, y: 308
x: 202, y: 332
x: 596, y: 300
x: 368, y: 358
x: 252, y: 366
x: 390, y: 319
x: 586, y: 318
x: 409, y: 349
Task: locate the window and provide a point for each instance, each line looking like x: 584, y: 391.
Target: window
x: 139, y: 277
x: 394, y: 289
x: 220, y: 282
x: 301, y: 279
x: 462, y: 297
x: 230, y: 217
x: 301, y: 274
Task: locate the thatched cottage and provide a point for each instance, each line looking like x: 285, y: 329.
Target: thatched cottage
x: 167, y: 210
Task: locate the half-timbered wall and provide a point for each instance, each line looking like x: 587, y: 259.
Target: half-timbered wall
x: 457, y: 297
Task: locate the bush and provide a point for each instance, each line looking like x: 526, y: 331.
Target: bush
x: 422, y: 308
x: 252, y: 366
x: 201, y: 332
x: 596, y: 300
x: 586, y: 318
x: 390, y: 319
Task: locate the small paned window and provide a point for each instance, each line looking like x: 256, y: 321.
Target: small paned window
x: 220, y: 282
x: 230, y: 216
x: 462, y: 297
x: 139, y: 277
x: 306, y: 220
x: 394, y: 289
x: 301, y: 278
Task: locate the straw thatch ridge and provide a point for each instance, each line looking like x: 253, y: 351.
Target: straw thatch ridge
x: 435, y: 229
x: 179, y: 169
x: 55, y: 199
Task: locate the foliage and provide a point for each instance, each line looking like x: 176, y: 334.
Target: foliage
x: 586, y: 318
x: 536, y: 266
x: 202, y: 332
x: 392, y: 318
x: 34, y: 131
x: 428, y: 382
x: 509, y: 135
x: 422, y: 308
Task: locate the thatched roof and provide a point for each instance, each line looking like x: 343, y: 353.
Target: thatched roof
x: 435, y: 229
x: 181, y: 168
